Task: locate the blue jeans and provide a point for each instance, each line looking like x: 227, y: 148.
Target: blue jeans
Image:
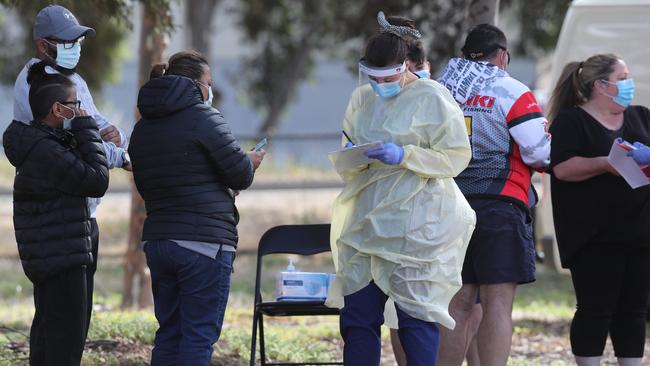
x: 360, y: 322
x: 190, y: 292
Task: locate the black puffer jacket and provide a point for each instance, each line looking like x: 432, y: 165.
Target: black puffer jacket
x: 55, y: 172
x: 185, y: 160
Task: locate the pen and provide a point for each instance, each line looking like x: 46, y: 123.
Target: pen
x: 347, y: 137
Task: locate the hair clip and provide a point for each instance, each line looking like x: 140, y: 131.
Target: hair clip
x: 400, y: 31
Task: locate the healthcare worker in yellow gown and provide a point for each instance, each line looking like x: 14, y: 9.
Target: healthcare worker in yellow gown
x: 401, y: 226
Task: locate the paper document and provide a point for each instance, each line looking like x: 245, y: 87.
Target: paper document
x: 634, y: 174
x: 352, y: 157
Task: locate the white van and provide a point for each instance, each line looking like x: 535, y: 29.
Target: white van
x: 621, y: 27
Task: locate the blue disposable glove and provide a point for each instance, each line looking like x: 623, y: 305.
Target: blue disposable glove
x: 349, y: 144
x: 641, y: 155
x: 389, y: 153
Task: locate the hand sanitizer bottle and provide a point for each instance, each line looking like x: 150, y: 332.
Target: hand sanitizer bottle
x: 279, y: 283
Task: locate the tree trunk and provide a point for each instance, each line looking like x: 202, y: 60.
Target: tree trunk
x: 276, y: 108
x: 152, y: 47
x: 483, y: 11
x: 199, y: 32
x: 198, y: 22
x: 291, y: 76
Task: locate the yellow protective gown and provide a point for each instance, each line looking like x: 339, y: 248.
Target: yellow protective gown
x: 406, y: 227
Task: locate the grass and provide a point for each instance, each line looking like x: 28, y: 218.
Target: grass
x: 137, y: 326
x: 125, y: 337
x: 551, y: 296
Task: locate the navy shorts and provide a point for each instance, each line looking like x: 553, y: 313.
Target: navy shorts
x: 501, y: 249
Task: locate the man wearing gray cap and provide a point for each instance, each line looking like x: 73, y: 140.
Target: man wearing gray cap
x: 58, y: 37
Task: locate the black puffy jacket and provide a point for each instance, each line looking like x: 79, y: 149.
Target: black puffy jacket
x: 55, y: 172
x: 185, y: 161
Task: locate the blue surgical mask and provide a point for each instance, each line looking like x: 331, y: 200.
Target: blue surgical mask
x: 68, y: 57
x: 423, y: 74
x: 386, y: 90
x: 625, y: 92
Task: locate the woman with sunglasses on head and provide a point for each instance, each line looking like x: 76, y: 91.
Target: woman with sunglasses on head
x: 59, y: 162
x: 186, y: 165
x: 400, y: 227
x: 601, y: 223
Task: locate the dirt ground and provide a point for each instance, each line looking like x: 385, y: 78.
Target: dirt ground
x: 537, y: 340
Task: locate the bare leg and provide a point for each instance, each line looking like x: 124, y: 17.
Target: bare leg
x: 398, y: 351
x: 588, y: 361
x: 474, y: 322
x: 495, y: 331
x: 454, y: 343
x: 629, y: 361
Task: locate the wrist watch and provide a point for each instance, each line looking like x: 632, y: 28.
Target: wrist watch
x: 126, y: 159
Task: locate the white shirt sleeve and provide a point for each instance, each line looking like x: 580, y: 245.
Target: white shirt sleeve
x: 88, y: 104
x: 527, y: 126
x: 113, y: 152
x: 22, y: 110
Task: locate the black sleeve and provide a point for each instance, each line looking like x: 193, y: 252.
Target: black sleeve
x: 81, y: 171
x: 565, y: 138
x: 233, y: 166
x: 644, y: 114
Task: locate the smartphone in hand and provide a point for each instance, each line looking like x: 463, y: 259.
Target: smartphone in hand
x: 260, y: 144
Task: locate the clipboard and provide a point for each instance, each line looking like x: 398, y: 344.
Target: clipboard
x: 352, y: 157
x: 634, y: 174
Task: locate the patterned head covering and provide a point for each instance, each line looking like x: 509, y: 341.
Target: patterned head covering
x: 400, y: 31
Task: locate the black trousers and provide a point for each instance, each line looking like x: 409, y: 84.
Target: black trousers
x: 612, y: 284
x: 63, y: 305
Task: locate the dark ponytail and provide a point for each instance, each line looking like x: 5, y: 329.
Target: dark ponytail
x: 45, y: 89
x: 190, y: 64
x: 576, y: 82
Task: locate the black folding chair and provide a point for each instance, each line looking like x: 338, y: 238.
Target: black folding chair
x: 288, y: 239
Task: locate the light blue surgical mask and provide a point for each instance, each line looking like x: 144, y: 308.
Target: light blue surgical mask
x: 423, y: 74
x: 67, y: 122
x: 625, y: 92
x: 386, y: 90
x: 208, y: 101
x: 68, y: 57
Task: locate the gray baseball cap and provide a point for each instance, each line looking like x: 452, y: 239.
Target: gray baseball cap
x: 57, y: 21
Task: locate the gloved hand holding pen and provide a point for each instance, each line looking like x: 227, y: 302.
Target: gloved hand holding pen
x: 641, y: 155
x: 388, y: 153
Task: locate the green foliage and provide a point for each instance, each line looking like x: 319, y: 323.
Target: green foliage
x: 111, y: 19
x: 9, y: 357
x: 287, y: 35
x: 539, y: 23
x: 284, y: 34
x: 551, y: 296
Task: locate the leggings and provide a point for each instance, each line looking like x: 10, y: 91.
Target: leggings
x: 611, y: 283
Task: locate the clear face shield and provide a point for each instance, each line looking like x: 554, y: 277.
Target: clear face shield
x: 385, y: 82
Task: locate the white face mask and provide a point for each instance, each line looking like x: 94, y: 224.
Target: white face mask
x: 67, y: 122
x: 208, y: 101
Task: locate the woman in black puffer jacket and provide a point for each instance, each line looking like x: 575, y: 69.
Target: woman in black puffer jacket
x: 59, y: 161
x: 187, y: 165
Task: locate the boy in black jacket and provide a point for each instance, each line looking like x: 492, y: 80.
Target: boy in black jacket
x: 59, y: 162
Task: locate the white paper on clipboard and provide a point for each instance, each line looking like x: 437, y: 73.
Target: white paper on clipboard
x: 632, y: 172
x: 352, y: 157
